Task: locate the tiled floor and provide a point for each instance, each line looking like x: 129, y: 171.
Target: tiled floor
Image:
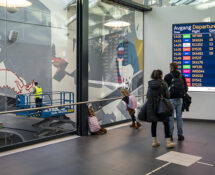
x: 123, y: 151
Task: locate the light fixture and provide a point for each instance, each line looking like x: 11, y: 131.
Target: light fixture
x: 117, y: 24
x: 12, y: 5
x: 15, y: 3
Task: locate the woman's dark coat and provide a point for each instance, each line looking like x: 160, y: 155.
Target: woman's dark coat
x: 155, y: 89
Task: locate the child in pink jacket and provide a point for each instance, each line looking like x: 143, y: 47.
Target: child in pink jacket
x: 93, y: 123
x: 131, y: 104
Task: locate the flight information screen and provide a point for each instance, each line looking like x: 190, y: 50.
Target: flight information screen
x: 193, y: 49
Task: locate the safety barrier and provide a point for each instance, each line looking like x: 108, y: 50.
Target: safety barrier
x: 64, y: 105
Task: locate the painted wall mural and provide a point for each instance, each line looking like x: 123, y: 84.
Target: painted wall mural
x: 12, y: 81
x: 117, y: 54
x: 37, y: 44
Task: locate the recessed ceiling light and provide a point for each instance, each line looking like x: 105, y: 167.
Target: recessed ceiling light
x: 117, y: 24
x: 15, y: 3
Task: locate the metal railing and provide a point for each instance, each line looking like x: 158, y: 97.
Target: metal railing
x: 69, y: 104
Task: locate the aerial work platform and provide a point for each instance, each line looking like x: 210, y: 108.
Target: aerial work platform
x: 53, y: 118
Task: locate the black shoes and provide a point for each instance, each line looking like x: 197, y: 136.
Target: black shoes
x: 180, y: 137
x: 171, y: 138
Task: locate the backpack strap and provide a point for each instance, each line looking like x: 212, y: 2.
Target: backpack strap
x: 172, y: 81
x: 161, y: 90
x: 172, y: 77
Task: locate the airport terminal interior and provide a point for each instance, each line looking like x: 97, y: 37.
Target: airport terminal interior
x: 107, y: 87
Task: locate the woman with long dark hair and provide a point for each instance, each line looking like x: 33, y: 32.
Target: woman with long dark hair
x: 157, y: 88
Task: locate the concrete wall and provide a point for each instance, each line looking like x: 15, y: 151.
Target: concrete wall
x: 158, y: 49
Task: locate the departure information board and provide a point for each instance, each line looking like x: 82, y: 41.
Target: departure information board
x: 193, y: 49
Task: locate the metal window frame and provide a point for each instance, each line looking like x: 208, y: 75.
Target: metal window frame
x: 82, y: 66
x: 82, y: 56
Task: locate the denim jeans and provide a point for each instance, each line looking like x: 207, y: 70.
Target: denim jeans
x: 177, y: 106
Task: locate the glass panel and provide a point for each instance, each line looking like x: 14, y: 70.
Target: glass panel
x: 203, y: 4
x: 38, y: 44
x: 2, y: 58
x: 115, y: 57
x: 2, y: 12
x: 139, y: 1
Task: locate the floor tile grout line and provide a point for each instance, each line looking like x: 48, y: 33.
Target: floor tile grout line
x: 205, y: 163
x: 157, y: 169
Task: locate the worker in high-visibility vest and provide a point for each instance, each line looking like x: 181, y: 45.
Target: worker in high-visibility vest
x: 38, y: 92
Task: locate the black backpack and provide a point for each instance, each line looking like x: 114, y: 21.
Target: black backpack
x: 177, y: 89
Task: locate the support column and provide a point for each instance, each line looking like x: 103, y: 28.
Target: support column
x: 82, y: 66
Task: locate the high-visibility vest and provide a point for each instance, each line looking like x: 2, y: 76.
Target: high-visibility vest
x: 38, y: 92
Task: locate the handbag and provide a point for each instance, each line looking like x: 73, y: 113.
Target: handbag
x: 165, y: 108
x: 142, y: 116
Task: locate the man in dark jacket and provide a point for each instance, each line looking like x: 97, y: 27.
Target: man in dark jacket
x: 176, y: 99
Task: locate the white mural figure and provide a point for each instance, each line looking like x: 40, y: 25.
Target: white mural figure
x: 126, y: 72
x: 12, y: 81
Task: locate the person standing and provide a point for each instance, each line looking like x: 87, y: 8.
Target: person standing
x: 157, y: 88
x: 131, y: 104
x: 177, y: 88
x: 38, y: 92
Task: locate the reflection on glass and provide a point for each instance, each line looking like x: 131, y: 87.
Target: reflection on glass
x: 139, y: 1
x: 37, y: 44
x: 13, y: 5
x: 117, y: 24
x: 115, y: 58
x: 165, y: 3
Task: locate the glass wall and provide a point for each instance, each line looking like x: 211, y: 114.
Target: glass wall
x: 115, y: 57
x: 139, y: 1
x: 204, y: 4
x: 37, y: 44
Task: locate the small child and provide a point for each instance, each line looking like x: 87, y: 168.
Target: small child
x: 131, y: 103
x: 93, y: 123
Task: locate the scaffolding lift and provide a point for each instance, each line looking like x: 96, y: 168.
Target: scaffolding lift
x: 53, y: 119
